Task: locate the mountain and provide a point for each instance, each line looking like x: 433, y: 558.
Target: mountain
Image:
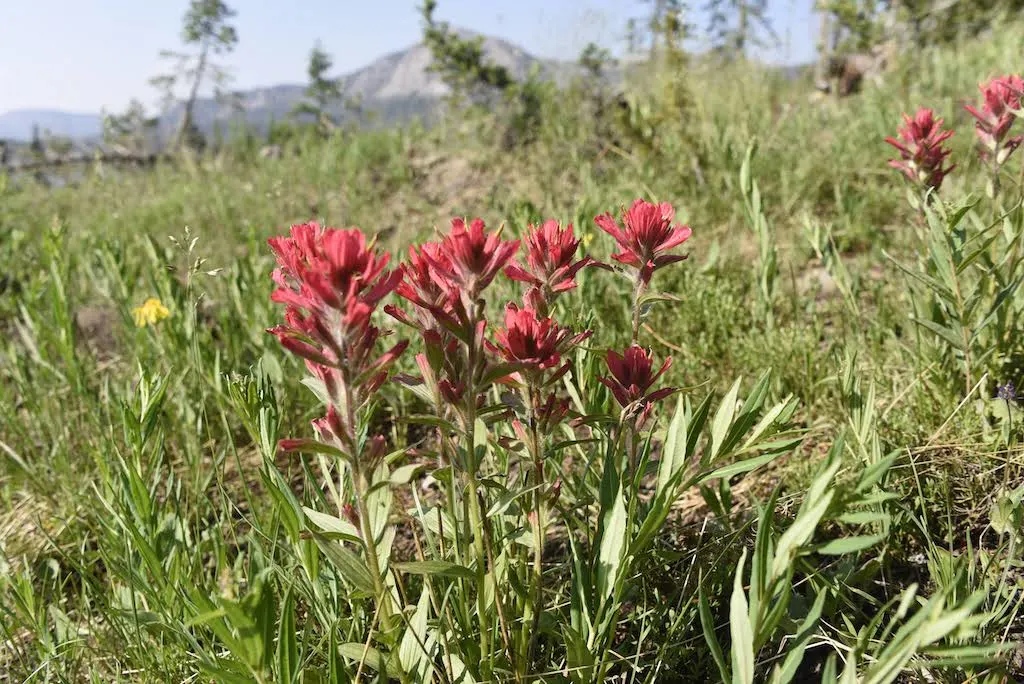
x: 17, y: 125
x: 397, y: 87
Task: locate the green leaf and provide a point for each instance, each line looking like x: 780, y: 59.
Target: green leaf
x: 313, y: 446
x: 741, y: 631
x: 317, y: 387
x: 436, y: 521
x: 707, y: 623
x: 333, y: 527
x: 673, y: 453
x: 227, y: 671
x: 287, y: 649
x: 613, y: 540
x: 351, y: 567
x: 360, y: 653
x: 723, y: 419
x: 819, y: 498
x: 507, y: 499
x: 411, y: 655
x: 872, y: 474
x: 784, y: 673
x: 862, y: 517
x: 403, y: 475
x: 742, y: 466
x: 500, y: 370
x: 948, y: 334
x: 696, y: 426
x: 460, y: 673
x: 840, y: 547
x: 767, y: 422
x: 435, y: 567
x: 935, y: 286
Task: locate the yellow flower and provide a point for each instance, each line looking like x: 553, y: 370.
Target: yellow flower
x: 150, y: 313
x: 588, y: 237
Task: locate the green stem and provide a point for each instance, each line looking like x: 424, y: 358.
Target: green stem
x: 637, y: 291
x: 605, y: 647
x: 995, y: 176
x: 535, y: 595
x: 477, y: 532
x: 476, y: 529
x: 964, y: 331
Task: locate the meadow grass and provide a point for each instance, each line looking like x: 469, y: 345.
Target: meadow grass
x: 149, y: 526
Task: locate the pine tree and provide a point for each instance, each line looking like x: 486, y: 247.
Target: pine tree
x: 322, y: 92
x: 207, y: 28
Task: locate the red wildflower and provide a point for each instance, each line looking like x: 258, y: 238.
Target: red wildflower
x: 551, y: 264
x: 469, y: 258
x: 422, y: 286
x: 648, y: 235
x: 1002, y: 103
x: 320, y: 268
x: 632, y: 377
x: 533, y: 341
x: 331, y: 281
x: 921, y: 151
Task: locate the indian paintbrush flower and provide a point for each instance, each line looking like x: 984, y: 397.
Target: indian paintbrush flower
x: 922, y: 154
x: 330, y: 282
x: 551, y: 263
x: 469, y: 258
x: 647, y: 238
x: 632, y: 376
x: 532, y: 342
x: 1002, y: 104
x: 423, y: 286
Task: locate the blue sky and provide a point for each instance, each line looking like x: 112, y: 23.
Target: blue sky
x: 82, y: 55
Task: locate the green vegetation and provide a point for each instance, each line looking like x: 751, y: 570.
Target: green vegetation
x: 833, y: 495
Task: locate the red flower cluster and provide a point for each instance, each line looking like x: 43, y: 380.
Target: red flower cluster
x: 471, y: 257
x: 422, y: 286
x: 533, y: 342
x: 551, y: 264
x: 921, y: 149
x: 648, y: 235
x: 444, y: 281
x: 1002, y: 103
x: 632, y: 375
x: 330, y: 282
